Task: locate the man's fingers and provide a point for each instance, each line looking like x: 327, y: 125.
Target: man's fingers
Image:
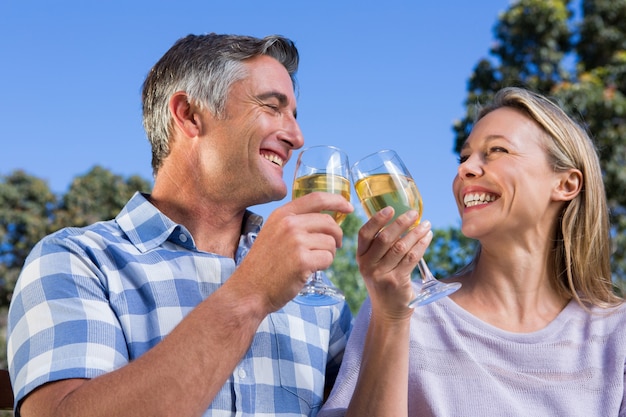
x: 318, y: 202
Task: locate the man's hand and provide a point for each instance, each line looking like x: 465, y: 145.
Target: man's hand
x: 296, y: 240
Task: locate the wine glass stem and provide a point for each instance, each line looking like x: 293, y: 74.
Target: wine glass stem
x: 427, y: 276
x: 317, y: 276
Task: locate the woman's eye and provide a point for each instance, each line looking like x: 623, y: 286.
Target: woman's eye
x: 498, y: 149
x: 487, y: 153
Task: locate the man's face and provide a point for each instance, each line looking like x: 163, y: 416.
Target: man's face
x: 250, y: 145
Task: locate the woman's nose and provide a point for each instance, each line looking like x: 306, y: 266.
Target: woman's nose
x: 470, y: 167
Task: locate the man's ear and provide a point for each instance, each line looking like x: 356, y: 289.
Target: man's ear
x: 569, y: 185
x: 184, y: 114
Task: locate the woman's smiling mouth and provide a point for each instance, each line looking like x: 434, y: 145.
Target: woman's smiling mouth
x: 475, y: 199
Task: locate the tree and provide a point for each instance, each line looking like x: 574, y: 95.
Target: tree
x: 600, y: 99
x: 579, y: 63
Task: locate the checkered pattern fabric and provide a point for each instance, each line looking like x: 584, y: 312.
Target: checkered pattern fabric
x: 91, y: 300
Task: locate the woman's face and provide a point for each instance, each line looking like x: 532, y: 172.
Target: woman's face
x: 505, y: 184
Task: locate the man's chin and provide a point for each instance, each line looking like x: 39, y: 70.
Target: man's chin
x: 275, y: 194
x: 278, y: 196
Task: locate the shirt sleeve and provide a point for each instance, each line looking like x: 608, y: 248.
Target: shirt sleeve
x: 60, y: 322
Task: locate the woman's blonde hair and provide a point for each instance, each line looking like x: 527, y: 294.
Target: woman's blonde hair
x: 581, y: 244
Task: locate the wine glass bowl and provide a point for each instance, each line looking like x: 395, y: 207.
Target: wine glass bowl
x: 378, y: 191
x: 321, y: 168
x: 381, y: 180
x: 323, y: 182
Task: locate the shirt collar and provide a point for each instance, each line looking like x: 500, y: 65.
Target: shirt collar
x: 147, y: 228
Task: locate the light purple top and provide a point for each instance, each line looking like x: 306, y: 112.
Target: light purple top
x: 462, y: 366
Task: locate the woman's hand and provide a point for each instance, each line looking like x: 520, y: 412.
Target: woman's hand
x: 386, y: 257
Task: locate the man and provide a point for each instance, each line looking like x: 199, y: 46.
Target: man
x: 169, y: 309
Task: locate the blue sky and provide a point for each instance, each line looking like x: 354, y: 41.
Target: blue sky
x: 373, y: 75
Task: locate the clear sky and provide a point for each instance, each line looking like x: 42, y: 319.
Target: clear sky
x: 373, y: 75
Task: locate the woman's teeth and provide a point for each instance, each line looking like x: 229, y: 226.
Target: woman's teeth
x: 474, y: 199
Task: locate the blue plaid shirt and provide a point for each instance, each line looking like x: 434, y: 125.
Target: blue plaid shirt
x: 90, y: 300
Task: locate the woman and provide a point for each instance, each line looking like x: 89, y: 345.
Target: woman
x: 536, y: 329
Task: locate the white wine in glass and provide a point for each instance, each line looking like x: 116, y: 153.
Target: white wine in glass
x: 321, y: 168
x: 378, y: 191
x: 380, y: 180
x: 323, y: 182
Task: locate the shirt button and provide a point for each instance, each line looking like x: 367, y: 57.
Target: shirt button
x: 242, y: 373
x: 183, y: 237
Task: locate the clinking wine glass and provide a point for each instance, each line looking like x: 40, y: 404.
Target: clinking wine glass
x: 381, y: 179
x: 321, y: 168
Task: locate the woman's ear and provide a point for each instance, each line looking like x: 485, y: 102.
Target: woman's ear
x: 184, y: 114
x: 569, y: 185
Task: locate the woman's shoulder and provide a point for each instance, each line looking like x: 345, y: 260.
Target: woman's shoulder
x: 611, y: 317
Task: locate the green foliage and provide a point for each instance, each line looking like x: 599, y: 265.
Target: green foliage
x: 344, y: 271
x: 533, y: 37
x: 448, y: 252
x: 602, y: 33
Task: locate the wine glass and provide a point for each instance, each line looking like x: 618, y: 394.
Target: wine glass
x: 321, y: 168
x: 381, y: 179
